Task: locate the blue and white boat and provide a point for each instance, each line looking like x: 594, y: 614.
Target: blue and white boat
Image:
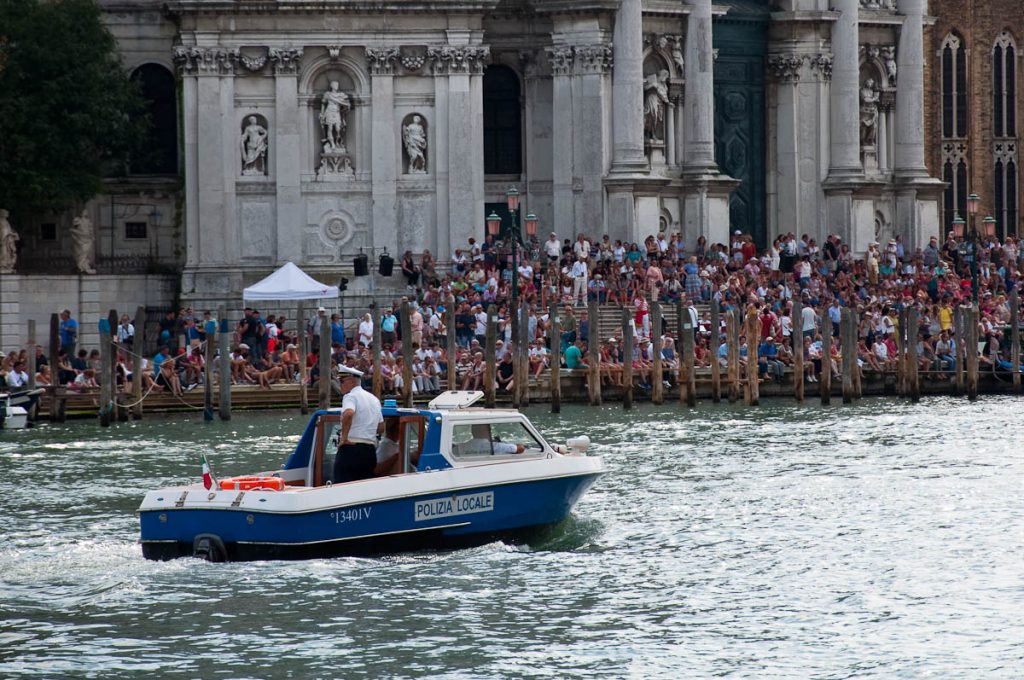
x: 463, y: 476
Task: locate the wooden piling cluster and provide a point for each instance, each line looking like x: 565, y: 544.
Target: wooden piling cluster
x: 733, y: 328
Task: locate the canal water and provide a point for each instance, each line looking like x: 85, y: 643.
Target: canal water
x: 879, y: 540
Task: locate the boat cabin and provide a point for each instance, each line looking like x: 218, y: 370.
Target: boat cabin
x: 448, y: 433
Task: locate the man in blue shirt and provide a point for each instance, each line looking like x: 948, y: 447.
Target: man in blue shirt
x: 574, y: 355
x: 337, y: 330
x: 161, y: 356
x: 68, y: 332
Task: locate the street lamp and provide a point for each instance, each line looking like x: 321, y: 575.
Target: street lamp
x: 972, y: 211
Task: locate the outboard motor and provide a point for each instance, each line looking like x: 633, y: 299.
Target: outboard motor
x: 209, y: 547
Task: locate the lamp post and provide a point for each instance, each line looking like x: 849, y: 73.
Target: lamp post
x: 972, y: 211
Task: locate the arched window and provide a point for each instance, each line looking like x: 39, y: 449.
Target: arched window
x: 1004, y: 87
x: 954, y: 174
x: 1006, y: 199
x: 954, y: 87
x: 502, y: 122
x: 161, y: 146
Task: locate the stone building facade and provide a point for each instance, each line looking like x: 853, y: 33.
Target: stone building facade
x: 308, y: 131
x: 973, y: 103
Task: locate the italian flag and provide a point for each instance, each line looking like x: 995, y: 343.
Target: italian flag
x: 209, y: 480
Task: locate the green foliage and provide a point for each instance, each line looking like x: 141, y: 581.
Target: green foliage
x: 68, y: 110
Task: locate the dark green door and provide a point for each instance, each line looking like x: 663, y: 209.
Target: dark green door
x: 741, y: 38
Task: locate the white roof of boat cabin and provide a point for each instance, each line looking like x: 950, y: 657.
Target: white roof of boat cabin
x: 455, y: 399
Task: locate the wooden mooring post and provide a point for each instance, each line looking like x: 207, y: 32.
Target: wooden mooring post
x: 490, y: 359
x: 627, y: 361
x: 713, y: 344
x: 971, y: 347
x: 796, y: 341
x: 912, y: 373
x: 521, y: 375
x: 406, y: 326
x: 657, y: 376
x: 450, y: 340
x: 825, y: 375
x: 732, y: 326
x: 30, y: 349
x: 138, y: 350
x: 224, y: 346
x: 554, y: 338
x: 325, y: 362
x: 106, y: 396
x: 901, y: 353
x: 1015, y: 337
x: 58, y: 390
x: 593, y: 351
x: 211, y: 340
x: 960, y: 356
x: 300, y: 314
x: 849, y: 354
x: 112, y: 320
x: 377, y: 379
x: 858, y: 386
x: 752, y: 393
x: 684, y: 346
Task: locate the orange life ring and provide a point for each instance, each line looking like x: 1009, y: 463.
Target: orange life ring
x: 252, y: 483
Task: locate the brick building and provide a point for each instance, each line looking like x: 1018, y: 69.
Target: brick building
x: 974, y: 94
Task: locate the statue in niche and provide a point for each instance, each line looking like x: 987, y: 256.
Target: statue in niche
x: 82, y: 240
x: 254, y: 148
x: 334, y: 107
x: 8, y: 244
x: 414, y: 138
x: 869, y: 113
x: 655, y: 101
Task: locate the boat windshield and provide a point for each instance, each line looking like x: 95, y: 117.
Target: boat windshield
x: 477, y: 440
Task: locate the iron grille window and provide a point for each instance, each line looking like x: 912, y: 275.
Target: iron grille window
x: 48, y: 231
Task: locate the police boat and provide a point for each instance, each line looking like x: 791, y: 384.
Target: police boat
x: 461, y: 476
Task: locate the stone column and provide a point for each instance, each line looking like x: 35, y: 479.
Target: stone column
x: 592, y: 64
x: 844, y: 101
x: 628, y: 90
x: 561, y: 59
x: 909, y: 135
x: 384, y: 131
x: 189, y: 107
x: 439, y: 149
x: 699, y: 150
x: 286, y: 153
x: 670, y: 133
x: 210, y: 64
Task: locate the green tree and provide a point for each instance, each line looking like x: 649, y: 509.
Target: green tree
x: 69, y: 113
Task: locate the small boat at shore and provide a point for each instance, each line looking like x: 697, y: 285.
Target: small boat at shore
x: 462, y: 476
x: 15, y: 408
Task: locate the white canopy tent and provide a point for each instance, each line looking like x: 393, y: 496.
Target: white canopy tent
x: 289, y: 283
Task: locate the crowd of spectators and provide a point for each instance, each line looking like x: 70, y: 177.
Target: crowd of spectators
x: 825, y: 277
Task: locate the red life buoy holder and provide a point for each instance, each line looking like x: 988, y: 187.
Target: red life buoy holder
x: 252, y: 483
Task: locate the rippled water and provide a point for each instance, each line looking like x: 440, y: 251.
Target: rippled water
x: 878, y: 540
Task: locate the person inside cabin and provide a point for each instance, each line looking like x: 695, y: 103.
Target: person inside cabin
x: 482, y: 444
x: 388, y: 448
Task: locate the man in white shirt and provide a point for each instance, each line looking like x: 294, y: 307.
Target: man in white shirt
x: 18, y: 377
x: 552, y: 248
x: 481, y: 444
x: 579, y: 280
x: 581, y: 249
x: 361, y: 422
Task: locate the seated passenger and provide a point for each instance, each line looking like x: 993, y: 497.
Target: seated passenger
x: 388, y: 448
x: 481, y: 444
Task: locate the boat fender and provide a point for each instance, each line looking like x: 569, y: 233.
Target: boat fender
x: 209, y: 547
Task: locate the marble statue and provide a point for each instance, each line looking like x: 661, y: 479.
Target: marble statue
x: 655, y: 100
x: 82, y: 239
x: 334, y: 108
x: 868, y: 113
x: 8, y: 244
x: 414, y: 138
x: 254, y: 148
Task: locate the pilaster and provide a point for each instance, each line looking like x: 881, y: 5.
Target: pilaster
x: 383, y: 159
x: 561, y: 60
x: 287, y: 63
x: 844, y: 101
x: 10, y: 311
x: 699, y: 149
x: 628, y: 90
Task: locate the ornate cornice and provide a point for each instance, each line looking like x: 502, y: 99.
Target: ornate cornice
x: 455, y: 59
x: 382, y: 60
x: 205, y: 61
x: 287, y: 60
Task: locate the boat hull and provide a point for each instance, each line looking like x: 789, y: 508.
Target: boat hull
x: 411, y: 519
